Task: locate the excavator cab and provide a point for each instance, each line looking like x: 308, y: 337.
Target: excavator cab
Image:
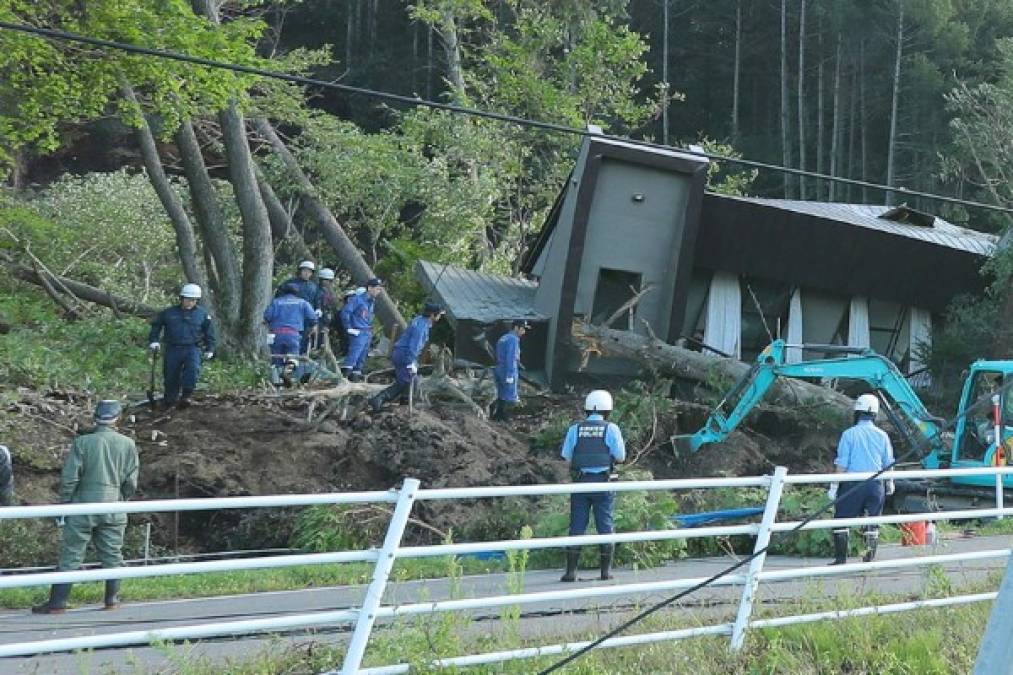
x: 975, y: 442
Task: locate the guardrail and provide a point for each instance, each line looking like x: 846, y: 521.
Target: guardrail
x: 371, y: 608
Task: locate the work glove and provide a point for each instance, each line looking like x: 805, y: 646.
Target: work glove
x: 154, y: 346
x: 270, y: 339
x: 354, y: 331
x: 510, y: 380
x: 832, y: 490
x: 413, y: 368
x: 60, y: 521
x: 319, y: 313
x: 890, y: 487
x: 208, y: 356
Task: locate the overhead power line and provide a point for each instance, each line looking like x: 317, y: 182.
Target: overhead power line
x: 474, y: 112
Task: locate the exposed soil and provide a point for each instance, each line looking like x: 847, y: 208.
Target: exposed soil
x: 236, y: 446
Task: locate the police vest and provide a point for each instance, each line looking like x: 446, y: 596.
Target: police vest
x: 591, y: 450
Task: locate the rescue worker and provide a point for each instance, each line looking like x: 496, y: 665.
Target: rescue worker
x: 340, y: 323
x: 6, y: 477
x: 288, y: 317
x: 101, y: 467
x: 328, y: 304
x: 308, y: 289
x: 863, y: 448
x: 592, y: 448
x: 359, y: 328
x: 405, y: 355
x: 506, y: 373
x: 187, y: 330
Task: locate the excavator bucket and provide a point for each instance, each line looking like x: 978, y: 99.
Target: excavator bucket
x: 684, y: 444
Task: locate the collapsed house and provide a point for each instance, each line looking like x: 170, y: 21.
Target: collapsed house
x: 725, y: 274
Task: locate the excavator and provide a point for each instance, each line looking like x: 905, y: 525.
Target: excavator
x: 983, y: 434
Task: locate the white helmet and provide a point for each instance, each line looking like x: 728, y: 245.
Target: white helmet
x: 867, y: 403
x: 307, y: 265
x: 598, y: 400
x: 326, y: 273
x: 190, y: 291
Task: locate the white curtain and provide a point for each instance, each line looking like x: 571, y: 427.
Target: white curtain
x: 723, y: 327
x: 794, y: 336
x: 921, y: 338
x: 858, y: 323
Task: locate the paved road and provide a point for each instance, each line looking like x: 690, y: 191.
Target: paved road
x: 541, y: 619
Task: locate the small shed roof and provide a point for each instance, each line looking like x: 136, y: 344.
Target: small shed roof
x: 477, y: 296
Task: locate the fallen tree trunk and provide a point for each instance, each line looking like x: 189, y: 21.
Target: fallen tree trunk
x: 686, y: 364
x: 76, y: 288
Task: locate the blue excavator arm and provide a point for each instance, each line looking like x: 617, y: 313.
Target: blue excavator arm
x: 865, y: 365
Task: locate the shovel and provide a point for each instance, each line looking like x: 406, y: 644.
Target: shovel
x: 151, y: 383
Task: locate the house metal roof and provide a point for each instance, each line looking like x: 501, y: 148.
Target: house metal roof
x: 941, y: 232
x: 477, y: 296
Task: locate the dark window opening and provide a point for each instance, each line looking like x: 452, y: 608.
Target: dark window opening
x: 614, y: 289
x: 764, y: 313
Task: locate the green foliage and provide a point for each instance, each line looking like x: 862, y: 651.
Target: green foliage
x: 323, y: 528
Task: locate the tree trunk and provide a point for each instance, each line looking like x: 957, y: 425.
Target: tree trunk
x: 258, y: 250
x: 670, y: 360
x: 785, y: 106
x: 835, y: 133
x: 852, y: 115
x: 665, y: 27
x: 821, y: 164
x: 348, y: 254
x: 891, y: 151
x: 801, y: 100
x: 186, y: 243
x: 349, y: 34
x: 225, y: 272
x: 737, y: 69
x: 429, y: 63
x: 282, y: 228
x: 80, y: 290
x: 864, y: 115
x: 452, y: 52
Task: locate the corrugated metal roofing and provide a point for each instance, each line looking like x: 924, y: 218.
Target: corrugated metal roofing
x: 477, y: 296
x: 941, y: 233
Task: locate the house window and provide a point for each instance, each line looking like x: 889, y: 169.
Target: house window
x: 764, y: 313
x: 614, y: 289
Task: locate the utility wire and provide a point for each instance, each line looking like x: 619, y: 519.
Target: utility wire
x: 475, y: 112
x: 915, y: 449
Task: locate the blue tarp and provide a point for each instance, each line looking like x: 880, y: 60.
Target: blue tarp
x: 698, y: 519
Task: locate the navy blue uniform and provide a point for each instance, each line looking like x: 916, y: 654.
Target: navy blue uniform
x: 591, y: 447
x: 404, y: 355
x: 358, y: 317
x: 185, y: 332
x: 287, y: 318
x: 309, y: 291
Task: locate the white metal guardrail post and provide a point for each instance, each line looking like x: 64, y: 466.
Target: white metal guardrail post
x: 756, y: 565
x: 381, y: 573
x: 998, y: 494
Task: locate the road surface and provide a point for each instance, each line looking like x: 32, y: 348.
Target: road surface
x: 542, y: 620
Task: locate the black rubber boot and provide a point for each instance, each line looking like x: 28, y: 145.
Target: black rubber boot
x: 356, y: 377
x: 871, y: 543
x: 57, y: 603
x: 840, y: 548
x: 112, y: 599
x: 184, y: 400
x: 495, y: 410
x: 376, y: 403
x: 572, y: 557
x: 606, y: 552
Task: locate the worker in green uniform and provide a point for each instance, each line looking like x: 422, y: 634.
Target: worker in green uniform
x: 101, y: 467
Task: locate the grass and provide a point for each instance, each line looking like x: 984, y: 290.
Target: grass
x: 931, y: 641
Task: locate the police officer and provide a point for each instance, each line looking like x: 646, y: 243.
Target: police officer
x: 405, y: 354
x: 863, y: 448
x: 187, y: 330
x: 288, y: 318
x: 6, y: 477
x: 308, y: 289
x: 592, y: 448
x: 101, y: 467
x: 359, y: 328
x: 506, y: 373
